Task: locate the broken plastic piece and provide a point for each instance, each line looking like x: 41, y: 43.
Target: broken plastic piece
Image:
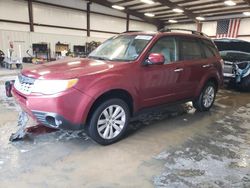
x: 21, y: 132
x: 240, y: 73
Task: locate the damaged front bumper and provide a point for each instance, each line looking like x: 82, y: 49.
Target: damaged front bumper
x: 54, y: 120
x: 237, y: 70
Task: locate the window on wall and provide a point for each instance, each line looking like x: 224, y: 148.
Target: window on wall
x: 167, y: 47
x: 189, y: 49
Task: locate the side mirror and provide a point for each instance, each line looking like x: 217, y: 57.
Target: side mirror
x: 155, y: 59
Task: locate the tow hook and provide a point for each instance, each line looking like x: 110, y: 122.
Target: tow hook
x: 21, y: 132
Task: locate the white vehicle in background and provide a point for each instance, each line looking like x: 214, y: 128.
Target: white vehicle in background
x: 236, y: 55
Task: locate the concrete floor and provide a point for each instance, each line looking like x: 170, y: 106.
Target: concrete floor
x: 175, y: 148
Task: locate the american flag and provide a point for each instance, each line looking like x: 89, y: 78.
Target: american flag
x: 228, y: 28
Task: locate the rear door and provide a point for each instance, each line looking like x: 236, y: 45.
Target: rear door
x: 192, y: 56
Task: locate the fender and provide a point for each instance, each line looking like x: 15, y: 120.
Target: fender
x: 104, y: 83
x: 211, y: 74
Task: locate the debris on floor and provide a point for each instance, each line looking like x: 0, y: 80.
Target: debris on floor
x: 21, y: 124
x: 220, y: 158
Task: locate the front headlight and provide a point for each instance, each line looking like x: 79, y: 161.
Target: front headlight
x: 52, y: 86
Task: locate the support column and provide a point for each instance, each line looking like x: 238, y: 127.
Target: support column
x: 199, y: 26
x: 88, y: 19
x: 31, y: 22
x: 127, y: 23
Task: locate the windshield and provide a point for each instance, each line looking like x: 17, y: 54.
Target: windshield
x: 121, y: 48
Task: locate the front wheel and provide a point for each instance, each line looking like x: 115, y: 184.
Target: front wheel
x: 109, y: 121
x: 206, y: 99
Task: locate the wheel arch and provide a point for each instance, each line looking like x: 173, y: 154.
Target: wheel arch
x: 113, y: 93
x: 212, y: 79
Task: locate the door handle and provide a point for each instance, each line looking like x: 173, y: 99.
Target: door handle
x: 207, y: 65
x: 178, y: 70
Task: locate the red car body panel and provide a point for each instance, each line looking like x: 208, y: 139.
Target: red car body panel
x: 148, y: 86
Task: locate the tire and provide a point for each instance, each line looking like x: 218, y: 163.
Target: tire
x: 244, y: 85
x: 104, y: 130
x: 206, y: 98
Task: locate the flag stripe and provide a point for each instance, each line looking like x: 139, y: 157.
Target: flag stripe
x: 228, y: 28
x: 231, y: 24
x: 238, y: 27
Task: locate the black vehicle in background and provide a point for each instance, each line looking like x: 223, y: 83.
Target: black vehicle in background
x: 236, y: 55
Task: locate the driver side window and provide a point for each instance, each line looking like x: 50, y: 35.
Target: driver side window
x: 167, y: 47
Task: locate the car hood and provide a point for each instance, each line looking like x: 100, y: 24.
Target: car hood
x: 69, y: 68
x: 233, y: 45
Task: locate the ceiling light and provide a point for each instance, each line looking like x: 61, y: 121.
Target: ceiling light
x: 178, y: 10
x: 172, y: 21
x: 149, y: 14
x: 230, y: 3
x: 148, y: 1
x: 118, y: 7
x: 246, y: 13
x: 200, y: 18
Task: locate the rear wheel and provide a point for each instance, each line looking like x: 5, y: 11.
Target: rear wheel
x: 206, y: 99
x: 109, y: 121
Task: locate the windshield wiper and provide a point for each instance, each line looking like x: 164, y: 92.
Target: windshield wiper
x: 99, y: 58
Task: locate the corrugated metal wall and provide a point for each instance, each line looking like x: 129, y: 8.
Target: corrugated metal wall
x: 44, y: 14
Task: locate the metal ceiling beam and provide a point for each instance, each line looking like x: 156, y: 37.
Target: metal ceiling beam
x: 156, y: 22
x: 173, y: 17
x: 185, y: 1
x: 225, y: 11
x: 203, y: 4
x: 172, y: 5
x: 124, y: 1
x: 134, y: 5
x: 247, y: 1
x: 144, y: 9
x: 215, y: 7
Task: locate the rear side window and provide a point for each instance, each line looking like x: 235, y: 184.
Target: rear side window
x: 209, y: 48
x: 189, y: 49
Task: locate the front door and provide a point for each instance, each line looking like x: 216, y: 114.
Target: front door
x: 162, y: 83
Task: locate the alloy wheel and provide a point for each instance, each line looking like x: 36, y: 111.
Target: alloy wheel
x: 111, y: 122
x: 208, y: 96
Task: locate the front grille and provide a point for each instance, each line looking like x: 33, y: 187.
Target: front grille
x: 24, y: 84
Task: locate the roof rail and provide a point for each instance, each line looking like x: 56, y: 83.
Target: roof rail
x: 131, y: 31
x: 178, y: 29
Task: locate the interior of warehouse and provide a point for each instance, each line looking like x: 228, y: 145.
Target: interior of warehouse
x: 125, y: 93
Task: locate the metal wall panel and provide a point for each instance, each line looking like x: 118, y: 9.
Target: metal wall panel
x: 107, y: 23
x: 244, y: 27
x: 50, y: 15
x: 136, y: 25
x: 14, y: 10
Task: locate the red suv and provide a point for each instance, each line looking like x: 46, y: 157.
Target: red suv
x: 124, y: 75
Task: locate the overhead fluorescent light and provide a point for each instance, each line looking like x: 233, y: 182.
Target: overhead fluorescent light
x: 172, y: 21
x: 149, y: 14
x: 200, y: 18
x: 178, y: 10
x: 118, y: 7
x: 246, y: 13
x: 150, y: 2
x: 230, y: 3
